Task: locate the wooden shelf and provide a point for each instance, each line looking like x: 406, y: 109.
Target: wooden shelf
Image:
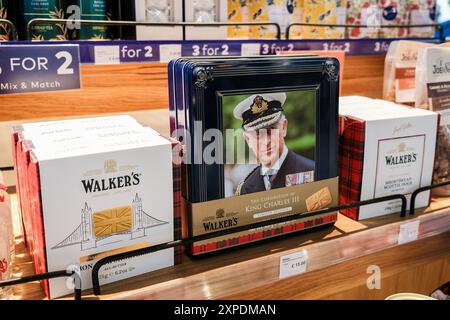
x: 125, y: 88
x: 336, y: 255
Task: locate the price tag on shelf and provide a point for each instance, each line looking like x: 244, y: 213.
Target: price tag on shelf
x: 293, y: 264
x: 107, y: 55
x: 169, y: 52
x: 39, y: 68
x: 408, y: 232
x: 251, y: 49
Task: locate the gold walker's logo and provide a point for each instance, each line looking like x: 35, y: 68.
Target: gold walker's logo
x: 220, y: 213
x: 401, y: 155
x: 220, y: 221
x: 259, y: 105
x: 110, y: 183
x: 110, y: 166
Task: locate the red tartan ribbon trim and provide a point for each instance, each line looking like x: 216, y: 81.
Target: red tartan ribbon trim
x: 213, y: 246
x: 4, y: 188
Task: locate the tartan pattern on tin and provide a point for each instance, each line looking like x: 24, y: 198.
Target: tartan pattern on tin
x: 177, y: 209
x: 351, y: 162
x: 254, y: 235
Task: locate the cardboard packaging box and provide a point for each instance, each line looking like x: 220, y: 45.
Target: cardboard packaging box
x: 433, y: 93
x: 399, y: 83
x: 114, y: 192
x: 384, y: 149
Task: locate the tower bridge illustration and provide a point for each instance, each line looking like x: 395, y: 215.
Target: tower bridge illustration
x: 109, y: 226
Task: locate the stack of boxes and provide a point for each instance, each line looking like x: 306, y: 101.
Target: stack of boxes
x: 384, y: 149
x: 91, y: 188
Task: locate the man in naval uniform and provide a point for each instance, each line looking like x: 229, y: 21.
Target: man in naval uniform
x: 265, y: 127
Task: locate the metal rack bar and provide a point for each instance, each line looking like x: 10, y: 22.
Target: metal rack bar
x: 163, y: 246
x: 13, y: 31
x: 36, y: 21
x: 44, y: 276
x: 422, y: 189
x: 438, y: 27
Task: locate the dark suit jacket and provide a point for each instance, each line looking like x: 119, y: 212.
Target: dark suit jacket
x: 293, y: 163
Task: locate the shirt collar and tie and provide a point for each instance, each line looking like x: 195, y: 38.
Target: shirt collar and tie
x: 269, y: 174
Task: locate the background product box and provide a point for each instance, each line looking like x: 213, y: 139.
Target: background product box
x: 399, y: 71
x: 324, y: 12
x: 340, y: 55
x: 433, y: 92
x: 363, y: 12
x: 394, y: 12
x: 8, y: 10
x: 204, y: 12
x: 96, y: 10
x: 422, y: 12
x: 116, y: 197
x: 159, y: 11
x: 238, y: 11
x: 54, y: 9
x: 384, y: 149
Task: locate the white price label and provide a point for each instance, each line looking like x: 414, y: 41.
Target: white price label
x: 107, y: 54
x: 408, y: 232
x: 250, y: 49
x: 169, y: 52
x: 293, y: 264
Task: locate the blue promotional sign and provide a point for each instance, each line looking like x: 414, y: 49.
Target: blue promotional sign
x: 139, y: 52
x: 122, y: 51
x: 211, y: 49
x: 39, y: 68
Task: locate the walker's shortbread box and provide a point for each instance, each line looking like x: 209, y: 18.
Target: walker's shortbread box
x: 384, y: 149
x: 114, y: 192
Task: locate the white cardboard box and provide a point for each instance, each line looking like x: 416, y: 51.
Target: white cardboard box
x: 109, y: 194
x: 398, y: 153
